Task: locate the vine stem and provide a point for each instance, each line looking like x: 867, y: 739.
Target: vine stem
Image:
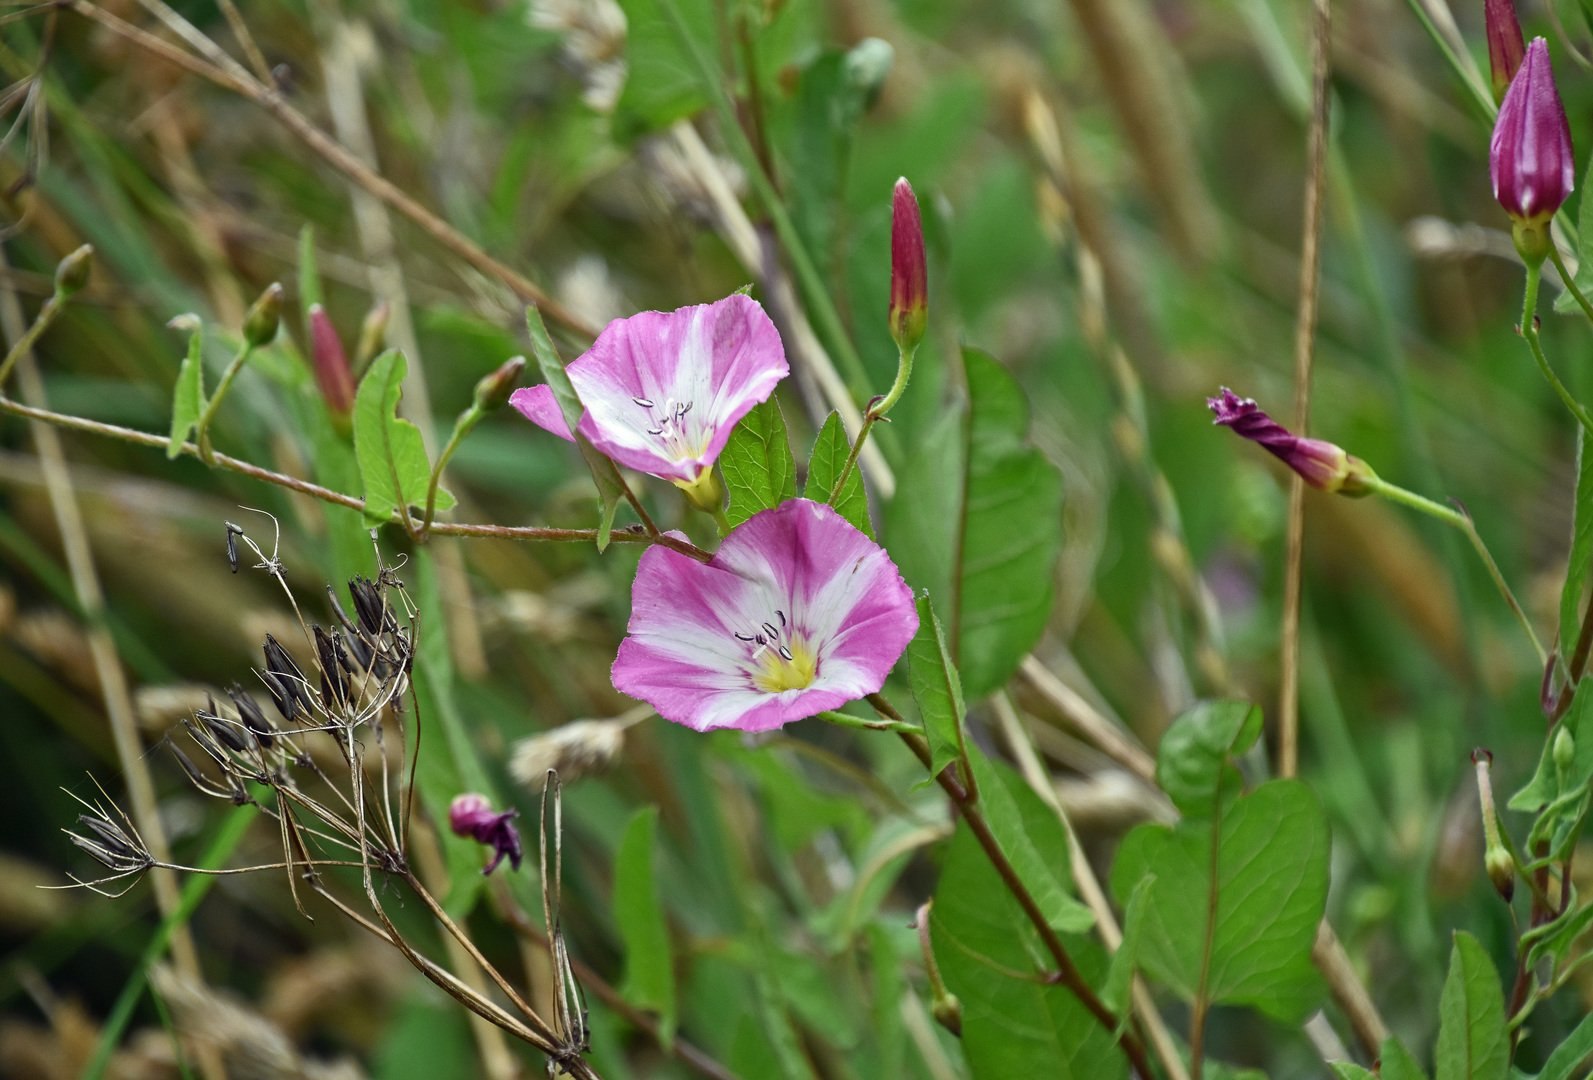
x: 1462, y: 521
x: 1067, y: 973
x: 1570, y: 282
x: 1529, y: 330
x: 338, y: 498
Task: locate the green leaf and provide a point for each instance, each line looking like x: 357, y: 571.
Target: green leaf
x: 188, y: 399
x: 606, y: 477
x: 1472, y: 1042
x: 649, y: 962
x: 1120, y: 977
x: 1560, y: 796
x: 1014, y: 1023
x: 1348, y: 1070
x: 1570, y: 1054
x: 1556, y: 938
x: 757, y: 464
x: 936, y: 689
x: 830, y: 451
x: 1033, y: 840
x: 1271, y: 888
x: 392, y: 458
x: 1197, y: 751
x: 1398, y: 1063
x: 1581, y: 543
x: 663, y: 83
x: 1584, y: 270
x: 978, y: 523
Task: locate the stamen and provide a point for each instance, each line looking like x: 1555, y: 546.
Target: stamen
x: 655, y: 431
x: 744, y: 637
x: 771, y: 631
x: 782, y: 617
x: 785, y: 654
x: 643, y: 402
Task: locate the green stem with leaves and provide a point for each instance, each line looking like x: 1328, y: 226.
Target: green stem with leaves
x: 873, y: 414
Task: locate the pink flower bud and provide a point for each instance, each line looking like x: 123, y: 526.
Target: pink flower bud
x: 909, y: 275
x: 1530, y: 157
x: 1505, y: 45
x: 331, y: 363
x: 472, y: 816
x: 1321, y: 464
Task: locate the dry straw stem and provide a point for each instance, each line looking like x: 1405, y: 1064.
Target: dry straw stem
x: 1144, y: 85
x: 1304, y: 351
x: 220, y: 69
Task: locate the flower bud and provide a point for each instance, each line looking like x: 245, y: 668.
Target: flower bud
x: 1505, y: 45
x: 1564, y: 750
x: 1495, y: 856
x: 373, y: 334
x: 260, y: 325
x: 947, y: 1011
x: 1530, y: 158
x: 1320, y: 464
x: 493, y: 391
x: 73, y: 272
x: 472, y: 816
x: 909, y: 312
x: 331, y: 363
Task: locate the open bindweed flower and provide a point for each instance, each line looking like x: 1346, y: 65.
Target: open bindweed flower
x: 1321, y: 464
x: 662, y: 390
x: 796, y: 613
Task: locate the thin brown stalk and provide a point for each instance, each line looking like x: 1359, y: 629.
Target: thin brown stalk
x: 239, y: 81
x: 687, y: 1053
x: 338, y: 498
x: 1304, y: 350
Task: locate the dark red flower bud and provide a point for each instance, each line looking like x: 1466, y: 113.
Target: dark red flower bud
x: 909, y: 274
x: 1505, y: 44
x: 1530, y: 157
x: 332, y: 373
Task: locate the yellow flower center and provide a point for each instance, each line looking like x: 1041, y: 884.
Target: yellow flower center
x: 776, y: 673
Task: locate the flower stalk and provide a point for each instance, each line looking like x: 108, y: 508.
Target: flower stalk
x: 70, y: 277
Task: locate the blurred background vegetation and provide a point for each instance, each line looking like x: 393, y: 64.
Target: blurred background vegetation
x: 1094, y: 174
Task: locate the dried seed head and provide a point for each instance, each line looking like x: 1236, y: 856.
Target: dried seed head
x: 573, y: 750
x: 289, y: 677
x: 253, y: 718
x: 111, y: 845
x: 368, y: 604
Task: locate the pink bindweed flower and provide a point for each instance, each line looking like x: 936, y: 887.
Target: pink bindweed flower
x: 1530, y: 158
x: 1321, y: 464
x: 663, y: 390
x: 1505, y: 44
x: 472, y: 815
x: 796, y: 613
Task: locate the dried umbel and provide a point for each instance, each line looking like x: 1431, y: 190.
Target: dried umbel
x: 339, y: 689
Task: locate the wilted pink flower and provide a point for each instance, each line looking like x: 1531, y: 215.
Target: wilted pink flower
x: 662, y: 390
x: 909, y: 275
x: 1530, y: 158
x: 472, y: 815
x: 797, y: 612
x: 1505, y: 45
x: 1321, y: 464
x: 332, y: 372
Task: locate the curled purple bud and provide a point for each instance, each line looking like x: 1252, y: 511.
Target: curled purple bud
x: 472, y: 816
x: 1320, y: 464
